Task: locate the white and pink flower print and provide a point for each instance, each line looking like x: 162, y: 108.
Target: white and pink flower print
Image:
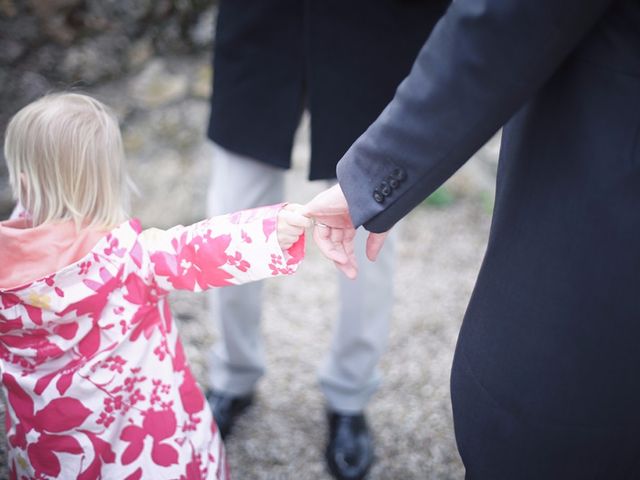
x: 92, y: 367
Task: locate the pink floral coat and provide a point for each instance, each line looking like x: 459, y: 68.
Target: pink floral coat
x: 91, y: 363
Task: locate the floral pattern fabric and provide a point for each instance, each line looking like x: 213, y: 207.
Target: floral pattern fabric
x: 91, y: 364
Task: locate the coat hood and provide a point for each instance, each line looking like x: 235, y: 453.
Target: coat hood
x: 30, y: 253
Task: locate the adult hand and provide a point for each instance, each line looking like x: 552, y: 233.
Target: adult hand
x: 334, y: 232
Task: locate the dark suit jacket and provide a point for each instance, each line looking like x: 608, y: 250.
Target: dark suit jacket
x: 553, y: 326
x: 343, y: 60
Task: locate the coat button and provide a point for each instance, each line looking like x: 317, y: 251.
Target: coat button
x: 377, y: 196
x: 385, y: 189
x: 399, y: 174
x: 393, y: 183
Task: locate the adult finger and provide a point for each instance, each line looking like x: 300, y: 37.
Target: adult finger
x: 296, y: 219
x: 322, y: 238
x: 350, y: 268
x: 375, y: 241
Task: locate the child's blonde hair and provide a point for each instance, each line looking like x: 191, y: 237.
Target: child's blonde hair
x: 66, y: 161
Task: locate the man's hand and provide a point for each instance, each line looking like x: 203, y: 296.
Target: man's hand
x: 334, y: 233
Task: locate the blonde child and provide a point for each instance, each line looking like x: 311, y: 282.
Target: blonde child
x: 92, y: 367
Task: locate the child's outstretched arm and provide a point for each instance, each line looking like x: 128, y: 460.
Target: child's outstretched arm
x: 229, y: 249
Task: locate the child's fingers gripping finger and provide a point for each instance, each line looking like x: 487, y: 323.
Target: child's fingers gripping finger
x: 287, y: 240
x: 299, y: 220
x: 299, y: 214
x: 297, y: 208
x: 284, y: 219
x: 291, y: 230
x: 293, y: 207
x: 295, y: 234
x: 305, y: 222
x: 284, y: 226
x: 285, y: 246
x: 296, y: 219
x: 289, y: 235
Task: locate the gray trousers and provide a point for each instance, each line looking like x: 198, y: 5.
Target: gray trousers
x: 349, y: 375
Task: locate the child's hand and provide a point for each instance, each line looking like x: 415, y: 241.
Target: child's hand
x: 291, y: 224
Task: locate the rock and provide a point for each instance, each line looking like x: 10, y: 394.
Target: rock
x: 167, y: 182
x: 114, y: 95
x: 203, y: 31
x: 58, y: 30
x: 50, y: 7
x: 8, y: 8
x: 45, y: 61
x: 135, y: 10
x: 4, y: 77
x: 181, y: 125
x: 95, y: 59
x: 52, y: 16
x: 134, y: 141
x: 19, y: 88
x: 201, y: 85
x: 139, y: 53
x: 162, y: 8
x: 169, y: 39
x: 11, y: 51
x: 156, y: 86
x: 22, y: 29
x: 32, y: 86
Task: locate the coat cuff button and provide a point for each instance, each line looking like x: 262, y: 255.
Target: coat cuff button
x: 399, y: 174
x: 377, y: 196
x: 385, y: 189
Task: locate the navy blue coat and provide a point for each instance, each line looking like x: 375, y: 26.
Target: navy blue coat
x: 343, y: 60
x: 546, y: 377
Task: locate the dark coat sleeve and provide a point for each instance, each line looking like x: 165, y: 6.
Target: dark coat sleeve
x: 483, y: 61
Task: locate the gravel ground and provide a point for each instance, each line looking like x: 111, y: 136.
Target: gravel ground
x: 439, y: 253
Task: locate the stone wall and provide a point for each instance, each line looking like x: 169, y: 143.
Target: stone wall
x: 60, y: 44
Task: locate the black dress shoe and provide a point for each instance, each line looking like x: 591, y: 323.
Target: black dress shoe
x: 226, y: 408
x: 350, y: 449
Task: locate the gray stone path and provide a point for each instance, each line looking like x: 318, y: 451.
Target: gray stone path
x: 440, y: 250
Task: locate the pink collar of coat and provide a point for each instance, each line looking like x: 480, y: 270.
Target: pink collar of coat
x: 30, y: 253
